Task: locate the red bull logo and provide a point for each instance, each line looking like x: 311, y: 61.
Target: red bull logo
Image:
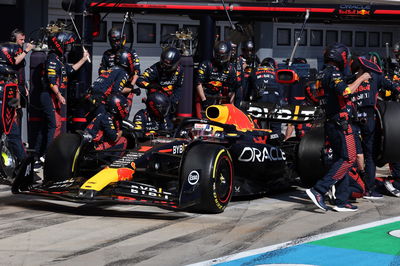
x: 215, y: 83
x: 57, y: 44
x: 9, y: 57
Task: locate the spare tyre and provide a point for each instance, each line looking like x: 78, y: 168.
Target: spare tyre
x: 387, y: 133
x: 310, y: 156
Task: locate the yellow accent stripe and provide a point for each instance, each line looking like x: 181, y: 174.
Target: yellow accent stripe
x: 296, y: 111
x: 75, y: 158
x: 216, y: 160
x: 101, y: 179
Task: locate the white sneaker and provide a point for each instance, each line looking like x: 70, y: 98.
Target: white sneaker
x: 42, y: 159
x: 331, y: 195
x: 389, y: 186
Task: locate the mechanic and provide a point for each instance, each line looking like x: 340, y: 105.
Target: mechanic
x: 365, y: 99
x: 238, y: 62
x: 53, y: 96
x: 251, y: 61
x: 117, y: 41
x: 113, y: 81
x: 296, y: 95
x: 155, y: 118
x: 338, y: 127
x: 105, y: 130
x: 10, y: 125
x: 164, y: 77
x: 216, y: 80
x: 18, y: 37
x: 264, y: 88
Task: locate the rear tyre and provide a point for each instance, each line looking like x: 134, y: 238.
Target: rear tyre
x: 213, y: 164
x: 61, y: 158
x: 387, y: 133
x: 310, y: 163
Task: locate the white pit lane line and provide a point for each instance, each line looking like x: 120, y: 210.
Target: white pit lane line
x: 395, y: 233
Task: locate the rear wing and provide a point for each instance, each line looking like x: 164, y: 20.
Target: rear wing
x: 295, y: 114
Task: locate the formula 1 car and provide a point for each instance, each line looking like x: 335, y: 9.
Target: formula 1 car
x: 199, y: 168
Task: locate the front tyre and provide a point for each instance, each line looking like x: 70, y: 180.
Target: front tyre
x: 213, y: 165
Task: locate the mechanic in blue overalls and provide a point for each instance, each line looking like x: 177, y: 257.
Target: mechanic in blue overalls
x: 251, y: 61
x: 365, y: 99
x: 53, y: 97
x: 296, y: 95
x: 264, y: 88
x: 163, y: 83
x: 339, y: 130
x: 9, y: 100
x: 117, y: 41
x: 115, y: 80
x: 238, y: 62
x: 216, y: 79
x: 105, y: 130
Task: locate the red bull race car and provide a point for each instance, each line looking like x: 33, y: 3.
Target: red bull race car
x: 198, y: 168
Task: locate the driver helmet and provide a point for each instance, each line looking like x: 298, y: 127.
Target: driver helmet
x: 116, y: 38
x: 169, y: 59
x: 61, y: 42
x: 117, y: 105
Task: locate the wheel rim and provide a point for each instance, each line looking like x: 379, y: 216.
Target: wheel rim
x: 223, y: 179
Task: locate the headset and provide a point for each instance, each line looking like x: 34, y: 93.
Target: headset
x: 14, y: 33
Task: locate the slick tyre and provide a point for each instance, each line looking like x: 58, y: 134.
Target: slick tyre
x: 61, y: 157
x: 387, y: 133
x: 310, y: 161
x: 214, y: 165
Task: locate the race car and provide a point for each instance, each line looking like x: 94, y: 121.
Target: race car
x: 199, y: 168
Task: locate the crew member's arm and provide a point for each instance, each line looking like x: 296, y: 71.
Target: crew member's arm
x: 177, y: 92
x: 80, y: 63
x: 110, y: 132
x: 137, y: 67
x: 53, y: 73
x: 289, y: 131
x: 21, y: 56
x: 200, y: 80
x: 344, y: 89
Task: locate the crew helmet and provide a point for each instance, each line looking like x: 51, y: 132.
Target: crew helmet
x: 169, y: 59
x: 117, y: 105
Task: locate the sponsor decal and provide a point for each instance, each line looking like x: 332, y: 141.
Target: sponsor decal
x: 282, y: 114
x: 193, y: 177
x: 150, y: 191
x: 178, y: 149
x: 354, y: 10
x: 251, y: 154
x: 237, y: 189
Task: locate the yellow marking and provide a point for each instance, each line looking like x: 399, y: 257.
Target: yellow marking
x: 347, y: 91
x: 201, y: 71
x: 101, y: 179
x: 387, y: 93
x: 146, y: 74
x: 296, y: 111
x: 75, y: 158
